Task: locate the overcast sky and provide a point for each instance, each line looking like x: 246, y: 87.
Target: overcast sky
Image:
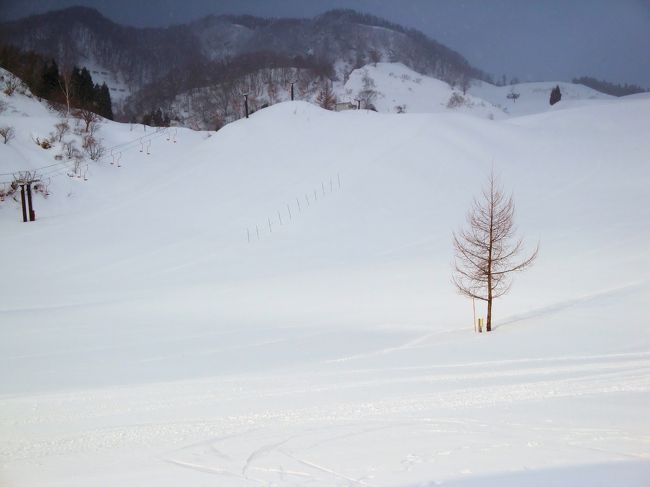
x: 530, y: 39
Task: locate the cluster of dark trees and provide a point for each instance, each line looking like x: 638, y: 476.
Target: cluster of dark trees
x: 156, y: 118
x: 609, y: 88
x: 73, y: 87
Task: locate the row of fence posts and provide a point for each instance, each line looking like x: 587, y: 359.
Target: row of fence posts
x: 309, y: 199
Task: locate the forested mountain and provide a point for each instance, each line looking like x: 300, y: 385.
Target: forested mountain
x: 609, y: 88
x: 131, y: 59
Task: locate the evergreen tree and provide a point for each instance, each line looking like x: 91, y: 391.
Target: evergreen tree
x: 49, y: 85
x: 83, y: 88
x: 102, y: 101
x: 556, y: 95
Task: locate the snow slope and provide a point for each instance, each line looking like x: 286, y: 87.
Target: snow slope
x: 534, y: 97
x: 146, y: 341
x: 399, y: 88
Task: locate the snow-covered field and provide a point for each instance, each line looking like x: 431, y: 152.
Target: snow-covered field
x: 146, y: 341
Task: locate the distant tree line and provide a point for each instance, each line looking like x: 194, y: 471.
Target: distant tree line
x: 609, y: 88
x: 156, y: 118
x: 73, y: 87
x: 214, y: 90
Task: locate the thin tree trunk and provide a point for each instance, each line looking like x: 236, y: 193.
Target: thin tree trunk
x: 488, y: 325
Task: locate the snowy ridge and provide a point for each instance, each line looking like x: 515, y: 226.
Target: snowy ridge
x: 400, y: 89
x: 534, y: 97
x: 146, y: 341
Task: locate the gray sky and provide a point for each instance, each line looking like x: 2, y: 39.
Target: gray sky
x: 530, y: 39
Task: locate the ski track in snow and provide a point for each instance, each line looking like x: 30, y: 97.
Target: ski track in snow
x: 323, y: 428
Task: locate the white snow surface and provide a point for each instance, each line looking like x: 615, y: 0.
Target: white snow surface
x: 145, y: 341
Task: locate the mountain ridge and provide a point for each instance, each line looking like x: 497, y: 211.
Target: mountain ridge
x: 129, y: 58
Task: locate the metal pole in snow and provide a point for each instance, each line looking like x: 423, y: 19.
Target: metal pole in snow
x: 32, y: 215
x: 22, y: 202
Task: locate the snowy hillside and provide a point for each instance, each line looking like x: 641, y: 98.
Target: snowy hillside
x: 271, y: 304
x: 400, y: 89
x: 534, y: 97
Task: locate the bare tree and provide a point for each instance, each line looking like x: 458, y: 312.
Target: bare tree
x: 93, y: 147
x: 513, y: 95
x: 368, y: 94
x: 89, y: 117
x: 65, y: 85
x: 10, y: 86
x: 456, y: 100
x: 7, y: 133
x: 465, y: 83
x: 61, y: 128
x: 487, y: 252
x: 375, y: 56
x: 326, y: 98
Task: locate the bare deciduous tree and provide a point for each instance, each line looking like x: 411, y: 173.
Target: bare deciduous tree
x: 326, y: 98
x: 456, y: 100
x: 93, y: 147
x: 368, y: 94
x: 61, y: 128
x: 7, y: 133
x: 69, y: 150
x: 487, y: 251
x: 513, y: 95
x: 10, y: 86
x: 65, y: 85
x: 90, y: 118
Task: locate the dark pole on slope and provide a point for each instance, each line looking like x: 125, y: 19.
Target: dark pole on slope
x: 32, y: 215
x: 22, y: 202
x: 292, y: 83
x: 246, y: 104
